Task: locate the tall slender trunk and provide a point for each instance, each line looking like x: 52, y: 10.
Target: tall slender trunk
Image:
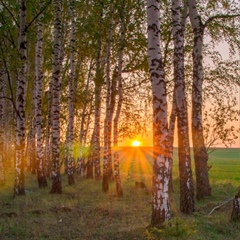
x: 119, y: 188
x: 19, y: 188
x: 2, y: 125
x: 160, y: 199
x: 56, y: 80
x: 31, y: 142
x: 48, y: 141
x: 172, y: 119
x: 84, y: 125
x: 185, y: 171
x: 107, y: 156
x: 42, y: 182
x: 97, y: 105
x: 200, y: 153
x: 71, y: 108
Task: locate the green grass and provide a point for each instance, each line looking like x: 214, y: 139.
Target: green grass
x: 84, y: 212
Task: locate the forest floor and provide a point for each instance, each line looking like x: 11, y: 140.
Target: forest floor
x: 83, y: 212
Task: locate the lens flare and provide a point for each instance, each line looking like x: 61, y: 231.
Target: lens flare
x: 136, y: 143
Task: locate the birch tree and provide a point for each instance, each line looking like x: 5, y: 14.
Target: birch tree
x: 19, y: 188
x: 185, y: 172
x: 2, y: 133
x: 42, y: 182
x: 200, y: 153
x: 160, y: 198
x: 122, y: 12
x: 56, y: 80
x: 71, y: 109
x: 98, y: 81
x: 110, y: 102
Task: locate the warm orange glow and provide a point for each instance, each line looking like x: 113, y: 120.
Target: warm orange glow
x: 136, y: 143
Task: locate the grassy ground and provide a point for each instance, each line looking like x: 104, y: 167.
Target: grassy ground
x: 84, y: 212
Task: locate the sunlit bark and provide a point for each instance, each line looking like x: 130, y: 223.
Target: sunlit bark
x: 56, y: 80
x: 71, y: 109
x: 110, y: 102
x: 185, y: 172
x: 200, y: 153
x: 42, y: 182
x: 19, y: 188
x: 160, y: 200
x: 119, y: 188
x: 98, y: 80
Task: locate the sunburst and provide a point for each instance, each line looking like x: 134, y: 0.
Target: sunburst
x: 136, y: 143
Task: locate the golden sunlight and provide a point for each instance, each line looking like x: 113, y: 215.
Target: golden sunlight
x: 136, y: 143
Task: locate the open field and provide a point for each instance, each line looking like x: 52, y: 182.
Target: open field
x: 83, y: 212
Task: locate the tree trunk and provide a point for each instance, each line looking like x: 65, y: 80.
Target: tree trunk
x: 2, y: 133
x: 56, y: 80
x: 185, y: 171
x: 89, y: 174
x: 200, y: 152
x: 110, y: 102
x: 42, y: 181
x: 48, y: 141
x: 97, y: 105
x: 83, y: 129
x: 235, y: 216
x: 119, y: 187
x: 19, y: 188
x: 172, y: 120
x: 160, y: 198
x: 71, y: 108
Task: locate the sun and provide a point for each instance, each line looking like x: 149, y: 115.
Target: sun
x: 136, y: 143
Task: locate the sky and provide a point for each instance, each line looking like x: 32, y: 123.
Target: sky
x: 146, y: 140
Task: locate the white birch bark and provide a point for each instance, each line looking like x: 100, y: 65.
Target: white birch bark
x: 71, y: 109
x: 97, y: 105
x: 48, y: 141
x: 160, y: 197
x: 107, y: 158
x: 185, y: 172
x: 56, y: 80
x: 20, y: 103
x: 84, y: 126
x: 119, y: 188
x: 42, y: 182
x: 200, y: 153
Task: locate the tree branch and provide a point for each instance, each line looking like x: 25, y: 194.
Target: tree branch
x: 31, y: 22
x: 10, y: 87
x: 220, y: 16
x: 14, y: 19
x: 220, y: 205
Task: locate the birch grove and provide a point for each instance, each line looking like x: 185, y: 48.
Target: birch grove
x: 89, y: 80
